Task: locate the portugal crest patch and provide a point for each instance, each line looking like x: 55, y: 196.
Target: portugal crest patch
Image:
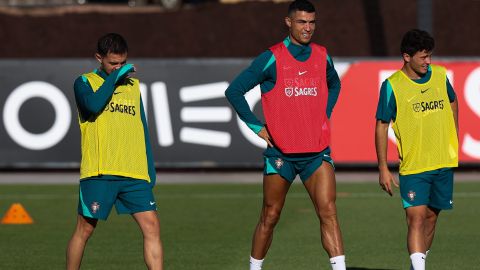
x: 411, y: 195
x: 288, y: 91
x: 278, y: 163
x: 95, y: 206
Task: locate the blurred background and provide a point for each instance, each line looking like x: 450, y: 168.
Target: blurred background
x: 187, y: 52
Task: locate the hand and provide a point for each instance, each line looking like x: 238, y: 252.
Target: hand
x: 386, y: 179
x: 263, y: 133
x: 125, y: 70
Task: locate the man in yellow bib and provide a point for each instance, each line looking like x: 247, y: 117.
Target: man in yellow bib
x: 117, y: 165
x: 422, y: 106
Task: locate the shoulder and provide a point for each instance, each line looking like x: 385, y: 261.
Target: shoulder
x: 439, y: 70
x: 264, y: 60
x: 81, y: 81
x: 395, y: 78
x: 435, y: 67
x: 318, y: 47
x: 386, y: 90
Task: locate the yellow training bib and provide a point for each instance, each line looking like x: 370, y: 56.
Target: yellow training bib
x: 113, y: 143
x: 424, y: 126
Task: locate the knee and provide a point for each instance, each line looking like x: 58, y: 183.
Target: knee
x: 85, y: 230
x: 270, y: 216
x: 416, y: 221
x: 327, y: 212
x: 151, y: 228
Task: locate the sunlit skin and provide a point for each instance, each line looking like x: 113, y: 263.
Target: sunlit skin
x: 416, y: 66
x: 111, y: 61
x: 301, y: 25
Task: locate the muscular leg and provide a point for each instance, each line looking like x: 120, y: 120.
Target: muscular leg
x: 322, y: 190
x: 416, y: 221
x: 152, y: 246
x: 430, y: 222
x: 275, y: 189
x: 76, y: 245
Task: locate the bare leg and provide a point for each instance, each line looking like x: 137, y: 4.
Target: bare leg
x: 152, y: 245
x: 416, y: 220
x: 76, y: 245
x: 430, y: 222
x: 275, y: 189
x: 322, y: 190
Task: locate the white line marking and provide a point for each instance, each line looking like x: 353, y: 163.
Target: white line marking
x: 203, y: 91
x: 162, y: 114
x: 206, y: 114
x: 205, y: 137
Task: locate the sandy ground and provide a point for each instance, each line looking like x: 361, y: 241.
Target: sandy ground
x: 198, y: 177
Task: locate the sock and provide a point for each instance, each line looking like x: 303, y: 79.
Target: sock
x: 418, y: 261
x: 255, y: 264
x: 338, y: 262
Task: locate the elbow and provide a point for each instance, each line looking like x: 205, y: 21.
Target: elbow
x: 92, y: 110
x: 229, y: 94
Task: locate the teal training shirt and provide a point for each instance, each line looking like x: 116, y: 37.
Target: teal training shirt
x: 90, y: 104
x: 263, y: 71
x: 387, y: 105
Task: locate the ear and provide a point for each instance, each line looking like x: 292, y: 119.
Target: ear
x: 406, y: 57
x: 98, y: 57
x: 288, y: 22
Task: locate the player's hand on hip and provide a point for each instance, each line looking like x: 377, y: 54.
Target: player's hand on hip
x: 263, y: 133
x: 385, y: 180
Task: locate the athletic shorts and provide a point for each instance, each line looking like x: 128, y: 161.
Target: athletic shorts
x: 289, y: 166
x: 432, y: 188
x: 98, y: 196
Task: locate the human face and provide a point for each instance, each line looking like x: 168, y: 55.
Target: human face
x: 111, y: 61
x: 301, y: 25
x: 418, y: 63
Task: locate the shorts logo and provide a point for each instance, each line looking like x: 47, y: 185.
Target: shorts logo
x: 411, y: 195
x: 278, y: 163
x: 95, y: 207
x: 288, y: 91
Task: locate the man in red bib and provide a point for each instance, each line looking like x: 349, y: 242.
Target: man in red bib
x: 299, y: 90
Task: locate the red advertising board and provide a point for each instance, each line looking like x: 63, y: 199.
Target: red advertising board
x: 353, y: 120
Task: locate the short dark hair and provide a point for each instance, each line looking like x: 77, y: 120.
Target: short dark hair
x: 416, y: 40
x: 112, y: 43
x: 300, y: 5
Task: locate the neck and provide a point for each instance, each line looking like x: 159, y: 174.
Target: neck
x: 294, y: 41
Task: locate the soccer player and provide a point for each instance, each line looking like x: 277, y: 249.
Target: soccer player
x: 117, y: 165
x: 299, y: 87
x: 422, y: 105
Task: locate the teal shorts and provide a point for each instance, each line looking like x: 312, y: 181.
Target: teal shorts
x: 291, y: 165
x: 432, y: 188
x: 97, y: 197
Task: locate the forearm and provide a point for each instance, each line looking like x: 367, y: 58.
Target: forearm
x: 381, y: 144
x: 236, y: 91
x: 334, y: 85
x: 333, y: 93
x: 242, y: 108
x: 91, y: 102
